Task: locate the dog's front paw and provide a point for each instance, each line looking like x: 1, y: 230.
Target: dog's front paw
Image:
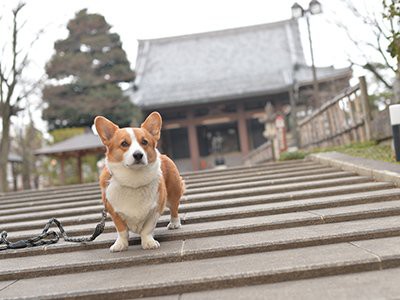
x: 150, y: 243
x: 119, y: 245
x: 175, y: 223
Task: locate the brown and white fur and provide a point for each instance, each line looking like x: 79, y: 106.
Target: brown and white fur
x: 137, y: 181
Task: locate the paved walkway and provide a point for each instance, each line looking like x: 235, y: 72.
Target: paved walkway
x: 297, y: 229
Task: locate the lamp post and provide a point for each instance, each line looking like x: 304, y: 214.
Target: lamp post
x: 298, y: 11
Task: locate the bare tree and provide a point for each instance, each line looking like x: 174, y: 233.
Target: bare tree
x: 383, y: 67
x: 26, y: 140
x: 12, y: 88
x: 392, y: 16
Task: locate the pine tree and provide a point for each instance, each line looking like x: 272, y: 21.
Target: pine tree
x: 84, y: 76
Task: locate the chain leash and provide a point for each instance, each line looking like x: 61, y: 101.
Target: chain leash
x: 51, y: 237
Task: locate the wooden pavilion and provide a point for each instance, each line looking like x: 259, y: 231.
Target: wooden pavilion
x: 216, y: 84
x: 76, y: 147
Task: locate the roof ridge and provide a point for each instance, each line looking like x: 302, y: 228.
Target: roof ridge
x: 218, y: 32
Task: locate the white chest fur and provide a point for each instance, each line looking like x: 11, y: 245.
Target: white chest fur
x: 134, y: 205
x: 133, y: 194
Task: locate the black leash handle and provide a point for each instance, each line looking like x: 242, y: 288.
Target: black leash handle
x: 51, y: 237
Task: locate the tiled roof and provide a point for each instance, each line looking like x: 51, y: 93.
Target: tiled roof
x: 85, y: 141
x: 289, y: 230
x: 220, y: 65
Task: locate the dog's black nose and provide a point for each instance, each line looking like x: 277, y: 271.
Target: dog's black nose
x: 138, y: 155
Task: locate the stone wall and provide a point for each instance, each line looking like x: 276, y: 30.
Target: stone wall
x: 380, y: 126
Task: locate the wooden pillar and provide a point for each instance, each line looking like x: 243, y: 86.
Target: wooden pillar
x: 242, y: 128
x: 14, y: 175
x: 193, y: 142
x: 62, y: 170
x: 79, y: 173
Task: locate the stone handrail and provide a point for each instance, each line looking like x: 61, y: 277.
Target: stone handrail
x: 262, y: 153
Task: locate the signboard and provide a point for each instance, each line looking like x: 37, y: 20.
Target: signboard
x: 281, y: 133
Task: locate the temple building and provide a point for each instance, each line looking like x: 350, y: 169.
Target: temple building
x: 211, y: 88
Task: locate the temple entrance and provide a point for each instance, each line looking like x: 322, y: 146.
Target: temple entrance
x: 175, y: 143
x: 221, y: 138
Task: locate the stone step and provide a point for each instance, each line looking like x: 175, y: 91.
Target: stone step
x: 87, y: 186
x: 220, y: 272
x: 45, y: 207
x: 264, y: 171
x: 201, y: 248
x: 49, y: 194
x: 271, y: 224
x: 256, y: 176
x: 370, y: 212
x: 285, y: 196
x: 248, y: 167
x: 39, y: 223
x: 49, y: 197
x: 374, y: 209
x: 185, y: 232
x: 12, y: 195
x: 382, y: 284
x: 360, y: 212
x: 249, y: 189
x: 93, y: 191
x: 237, y: 212
x: 278, y: 188
x: 255, y: 182
x: 259, y: 183
x: 211, y: 203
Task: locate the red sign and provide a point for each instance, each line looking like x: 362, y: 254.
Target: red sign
x: 280, y: 122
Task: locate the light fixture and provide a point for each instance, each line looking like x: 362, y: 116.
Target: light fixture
x: 297, y: 10
x: 314, y: 7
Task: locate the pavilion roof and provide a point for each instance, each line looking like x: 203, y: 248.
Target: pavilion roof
x: 85, y: 141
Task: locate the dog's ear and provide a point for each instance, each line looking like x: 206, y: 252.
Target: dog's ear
x: 105, y: 128
x: 153, y: 124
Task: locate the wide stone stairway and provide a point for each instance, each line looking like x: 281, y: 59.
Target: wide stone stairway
x: 295, y: 229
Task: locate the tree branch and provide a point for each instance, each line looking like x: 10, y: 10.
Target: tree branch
x: 31, y: 89
x: 372, y: 69
x: 378, y: 29
x: 14, y: 53
x: 25, y: 60
x: 379, y: 49
x: 3, y: 78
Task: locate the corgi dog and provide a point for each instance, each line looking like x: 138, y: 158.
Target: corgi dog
x: 137, y: 181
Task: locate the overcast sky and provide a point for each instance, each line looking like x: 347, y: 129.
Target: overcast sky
x: 134, y: 19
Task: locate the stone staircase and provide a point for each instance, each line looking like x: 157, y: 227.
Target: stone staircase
x: 295, y: 229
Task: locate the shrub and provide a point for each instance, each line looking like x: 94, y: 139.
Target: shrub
x: 292, y: 155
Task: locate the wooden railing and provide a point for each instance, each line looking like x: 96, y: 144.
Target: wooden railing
x: 343, y: 120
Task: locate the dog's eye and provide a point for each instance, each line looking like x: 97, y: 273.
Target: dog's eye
x: 124, y: 144
x: 144, y: 142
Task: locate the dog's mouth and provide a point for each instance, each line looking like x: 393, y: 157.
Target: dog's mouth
x: 135, y: 165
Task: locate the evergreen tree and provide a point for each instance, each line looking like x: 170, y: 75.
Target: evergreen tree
x: 84, y: 76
